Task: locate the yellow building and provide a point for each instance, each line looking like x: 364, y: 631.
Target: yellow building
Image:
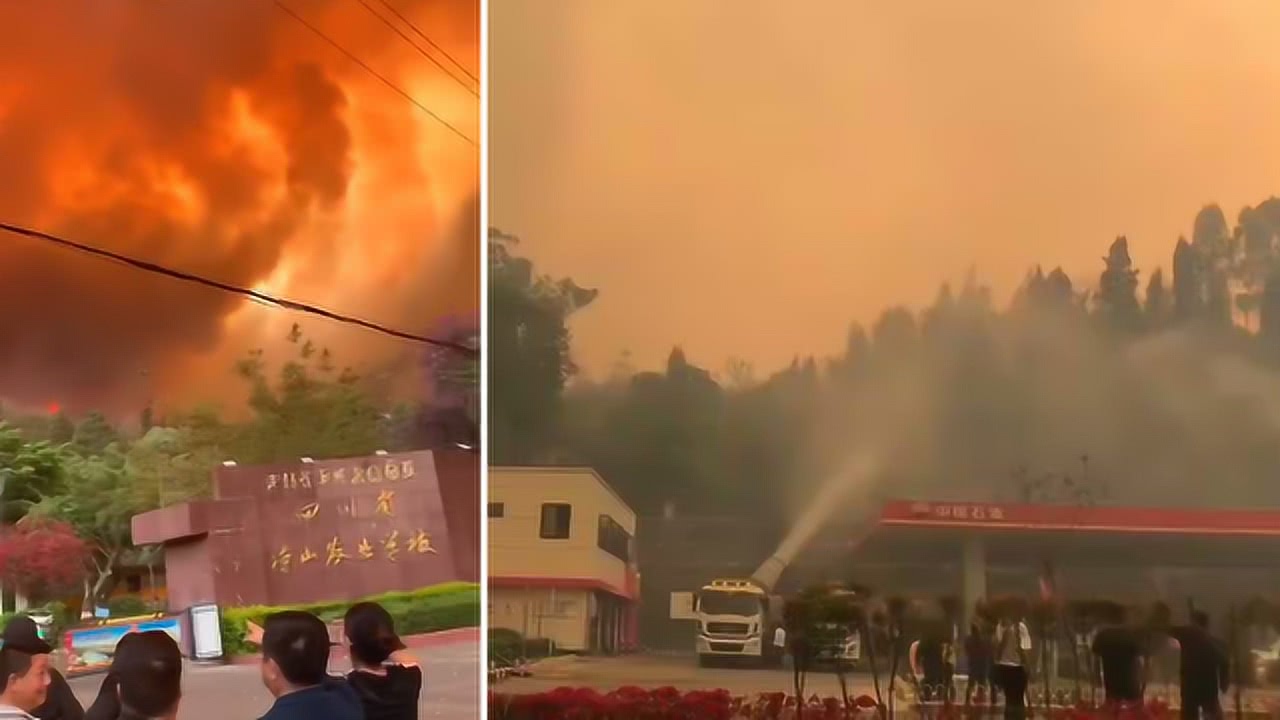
x: 562, y: 558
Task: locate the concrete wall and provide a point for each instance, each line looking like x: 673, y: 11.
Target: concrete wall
x: 515, y: 546
x: 560, y: 616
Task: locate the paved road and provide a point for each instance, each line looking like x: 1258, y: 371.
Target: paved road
x: 651, y: 671
x: 235, y: 692
x: 679, y: 672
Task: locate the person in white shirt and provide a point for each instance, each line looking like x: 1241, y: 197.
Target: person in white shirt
x: 1012, y: 649
x: 24, y: 670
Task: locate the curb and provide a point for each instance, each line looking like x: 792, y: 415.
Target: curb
x: 426, y: 640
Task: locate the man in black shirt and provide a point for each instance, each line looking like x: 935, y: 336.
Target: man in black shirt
x: 1119, y: 648
x: 295, y: 662
x: 1204, y: 671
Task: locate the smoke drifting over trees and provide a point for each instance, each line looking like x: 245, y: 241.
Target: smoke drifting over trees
x: 215, y: 137
x: 1168, y: 395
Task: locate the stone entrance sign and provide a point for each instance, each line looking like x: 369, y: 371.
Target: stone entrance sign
x: 325, y: 530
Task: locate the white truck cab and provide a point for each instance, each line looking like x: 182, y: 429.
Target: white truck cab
x: 736, y: 619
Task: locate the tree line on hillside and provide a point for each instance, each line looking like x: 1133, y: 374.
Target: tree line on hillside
x: 71, y: 486
x: 1163, y: 394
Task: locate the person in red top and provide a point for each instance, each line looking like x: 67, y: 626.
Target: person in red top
x: 384, y: 674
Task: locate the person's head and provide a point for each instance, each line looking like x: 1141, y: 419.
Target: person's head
x: 147, y: 672
x: 295, y: 651
x: 1200, y: 619
x: 25, y: 677
x: 24, y: 665
x: 370, y: 633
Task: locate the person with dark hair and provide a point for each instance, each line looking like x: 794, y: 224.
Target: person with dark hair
x: 1119, y: 648
x: 929, y: 663
x: 24, y: 672
x: 384, y: 674
x: 106, y: 706
x: 60, y: 703
x: 148, y: 676
x: 1205, y: 669
x: 295, y: 669
x: 977, y: 656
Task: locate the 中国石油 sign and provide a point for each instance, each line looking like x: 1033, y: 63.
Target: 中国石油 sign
x: 324, y: 530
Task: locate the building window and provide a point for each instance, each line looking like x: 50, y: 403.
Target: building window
x: 497, y: 510
x: 614, y: 539
x: 556, y: 518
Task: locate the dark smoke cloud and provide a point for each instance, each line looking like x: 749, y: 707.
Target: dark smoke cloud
x: 212, y: 136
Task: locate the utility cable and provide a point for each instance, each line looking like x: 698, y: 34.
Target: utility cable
x: 429, y: 41
x: 417, y: 47
x: 254, y: 295
x: 353, y: 58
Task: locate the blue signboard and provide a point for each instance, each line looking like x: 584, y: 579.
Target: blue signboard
x: 92, y: 648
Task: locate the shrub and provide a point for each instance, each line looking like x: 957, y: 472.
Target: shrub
x: 508, y: 646
x: 440, y: 607
x: 128, y: 606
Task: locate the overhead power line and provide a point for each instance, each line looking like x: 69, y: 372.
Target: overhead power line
x: 385, y: 81
x: 423, y: 53
x: 255, y: 295
x: 429, y: 41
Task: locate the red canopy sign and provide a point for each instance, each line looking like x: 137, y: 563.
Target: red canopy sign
x: 1007, y: 516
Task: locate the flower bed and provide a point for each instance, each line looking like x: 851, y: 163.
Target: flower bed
x: 668, y: 703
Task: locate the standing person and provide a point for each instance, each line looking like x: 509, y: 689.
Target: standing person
x: 106, y: 706
x: 60, y: 703
x: 928, y: 657
x: 1013, y: 646
x: 1204, y: 671
x: 24, y: 674
x: 295, y: 669
x: 148, y: 677
x: 977, y: 656
x: 384, y: 674
x: 1119, y: 648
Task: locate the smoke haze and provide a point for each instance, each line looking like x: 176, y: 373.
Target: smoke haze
x: 222, y: 138
x: 795, y: 167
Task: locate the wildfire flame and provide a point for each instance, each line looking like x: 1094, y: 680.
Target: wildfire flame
x: 227, y: 140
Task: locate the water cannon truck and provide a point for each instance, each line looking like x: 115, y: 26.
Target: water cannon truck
x: 737, y: 620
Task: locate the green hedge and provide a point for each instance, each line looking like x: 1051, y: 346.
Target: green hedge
x: 508, y: 646
x: 439, y: 607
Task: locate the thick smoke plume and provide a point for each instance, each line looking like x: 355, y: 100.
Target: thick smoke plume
x: 969, y: 402
x: 223, y: 139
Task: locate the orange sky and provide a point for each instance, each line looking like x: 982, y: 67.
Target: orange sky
x: 226, y: 140
x: 746, y: 178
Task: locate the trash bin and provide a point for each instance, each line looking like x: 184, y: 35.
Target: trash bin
x: 206, y: 633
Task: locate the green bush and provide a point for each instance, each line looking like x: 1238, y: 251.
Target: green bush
x: 508, y: 646
x: 128, y: 606
x: 440, y: 607
x: 62, y: 619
